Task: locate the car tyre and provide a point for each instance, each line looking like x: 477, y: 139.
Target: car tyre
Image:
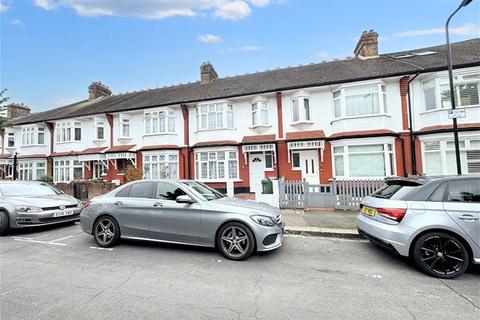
x: 4, y: 223
x: 235, y: 241
x: 106, y: 231
x: 440, y: 255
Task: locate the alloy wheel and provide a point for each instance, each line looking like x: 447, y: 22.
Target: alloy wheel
x: 443, y: 256
x: 105, y: 231
x: 235, y: 241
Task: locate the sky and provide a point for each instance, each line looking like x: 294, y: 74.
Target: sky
x: 51, y: 50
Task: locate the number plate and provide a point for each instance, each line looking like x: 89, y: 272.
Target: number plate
x: 369, y: 211
x: 63, y: 213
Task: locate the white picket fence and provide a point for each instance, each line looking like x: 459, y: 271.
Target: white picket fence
x: 350, y: 192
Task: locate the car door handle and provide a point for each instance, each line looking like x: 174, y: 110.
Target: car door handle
x: 118, y: 203
x: 158, y: 204
x: 468, y: 217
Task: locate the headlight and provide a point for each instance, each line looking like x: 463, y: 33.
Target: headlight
x: 28, y: 209
x: 263, y: 220
x: 79, y: 204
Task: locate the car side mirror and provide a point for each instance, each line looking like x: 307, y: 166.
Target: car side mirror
x: 184, y: 199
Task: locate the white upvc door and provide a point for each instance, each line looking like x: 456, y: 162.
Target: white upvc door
x: 309, y: 166
x: 257, y: 171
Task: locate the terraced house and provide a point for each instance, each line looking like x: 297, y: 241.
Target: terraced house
x: 351, y: 118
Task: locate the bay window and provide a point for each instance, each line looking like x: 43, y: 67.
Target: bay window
x: 67, y: 170
x: 360, y: 100
x: 259, y: 114
x: 439, y: 157
x: 436, y: 92
x: 215, y: 116
x: 159, y: 122
x: 33, y: 136
x: 33, y: 170
x: 68, y: 131
x: 216, y: 165
x: 373, y: 160
x: 162, y: 165
x: 300, y: 109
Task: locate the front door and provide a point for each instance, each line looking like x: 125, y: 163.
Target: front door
x: 257, y: 171
x: 309, y: 166
x: 172, y: 221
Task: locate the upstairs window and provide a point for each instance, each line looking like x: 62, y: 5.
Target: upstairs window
x: 360, y: 100
x: 11, y: 140
x: 215, y: 116
x: 159, y: 122
x: 300, y: 109
x: 259, y: 114
x: 28, y: 135
x: 68, y: 131
x: 124, y: 128
x: 99, y: 130
x: 436, y: 92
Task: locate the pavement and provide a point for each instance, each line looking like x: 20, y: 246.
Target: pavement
x: 59, y: 273
x: 326, y: 223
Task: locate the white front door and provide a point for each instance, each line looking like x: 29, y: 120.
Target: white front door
x: 257, y: 171
x: 309, y: 166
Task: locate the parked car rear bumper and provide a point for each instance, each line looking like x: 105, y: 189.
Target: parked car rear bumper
x: 392, y: 237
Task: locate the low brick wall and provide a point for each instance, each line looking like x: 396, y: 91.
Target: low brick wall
x: 85, y: 190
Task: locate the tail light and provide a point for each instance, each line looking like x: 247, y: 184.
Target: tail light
x: 392, y: 214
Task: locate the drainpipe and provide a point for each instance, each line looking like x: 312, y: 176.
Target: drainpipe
x: 14, y: 173
x: 410, y: 129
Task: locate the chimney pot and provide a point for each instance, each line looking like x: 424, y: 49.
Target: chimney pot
x: 207, y: 72
x: 97, y: 89
x: 367, y: 46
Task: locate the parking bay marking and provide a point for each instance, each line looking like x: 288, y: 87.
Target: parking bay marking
x: 100, y: 248
x: 37, y: 241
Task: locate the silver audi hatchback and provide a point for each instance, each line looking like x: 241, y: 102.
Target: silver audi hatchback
x: 435, y: 221
x: 185, y: 212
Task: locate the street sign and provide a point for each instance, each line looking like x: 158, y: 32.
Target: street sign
x: 457, y: 113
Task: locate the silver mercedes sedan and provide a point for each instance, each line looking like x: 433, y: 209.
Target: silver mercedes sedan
x: 26, y: 204
x: 185, y: 212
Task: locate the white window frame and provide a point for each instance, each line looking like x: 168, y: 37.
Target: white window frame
x: 64, y: 169
x: 440, y: 80
x: 299, y: 167
x: 465, y: 146
x: 28, y: 170
x: 65, y: 131
x: 212, y: 156
x: 388, y: 154
x: 340, y: 95
x: 302, y: 101
x: 163, y: 159
x: 125, y: 123
x: 11, y: 139
x: 213, y: 112
x: 31, y: 135
x: 259, y: 109
x: 159, y: 122
x: 100, y: 124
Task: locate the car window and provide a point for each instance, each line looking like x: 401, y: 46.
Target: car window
x: 393, y: 191
x: 204, y: 190
x: 168, y: 191
x: 141, y: 190
x: 464, y: 190
x: 439, y: 193
x: 124, y: 192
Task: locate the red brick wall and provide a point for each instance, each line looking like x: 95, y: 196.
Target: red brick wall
x: 403, y: 101
x: 88, y: 173
x: 285, y: 168
x: 326, y: 165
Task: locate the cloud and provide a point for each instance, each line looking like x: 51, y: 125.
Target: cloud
x: 157, y: 9
x: 3, y: 6
x: 468, y: 29
x: 242, y: 48
x: 16, y: 22
x: 210, y: 38
x: 61, y: 101
x: 322, y: 55
x: 44, y: 4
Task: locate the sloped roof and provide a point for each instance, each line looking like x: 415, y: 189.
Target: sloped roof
x: 465, y: 54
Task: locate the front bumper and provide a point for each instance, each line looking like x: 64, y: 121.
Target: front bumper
x: 23, y: 220
x: 393, y: 237
x: 269, y: 238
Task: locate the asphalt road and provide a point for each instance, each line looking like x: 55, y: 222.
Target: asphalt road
x: 59, y: 273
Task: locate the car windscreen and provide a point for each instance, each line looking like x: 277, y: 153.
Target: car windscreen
x: 393, y: 191
x: 27, y: 190
x: 207, y: 192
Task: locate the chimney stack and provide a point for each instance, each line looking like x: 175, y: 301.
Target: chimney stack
x: 98, y: 89
x: 14, y: 110
x: 207, y: 72
x: 367, y: 46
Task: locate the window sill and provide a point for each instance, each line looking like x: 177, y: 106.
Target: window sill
x: 12, y: 147
x: 362, y: 116
x: 259, y: 126
x: 301, y: 122
x: 98, y: 140
x: 33, y: 145
x: 206, y: 130
x: 66, y: 142
x: 446, y: 109
x: 218, y: 180
x: 160, y: 134
x: 124, y: 138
